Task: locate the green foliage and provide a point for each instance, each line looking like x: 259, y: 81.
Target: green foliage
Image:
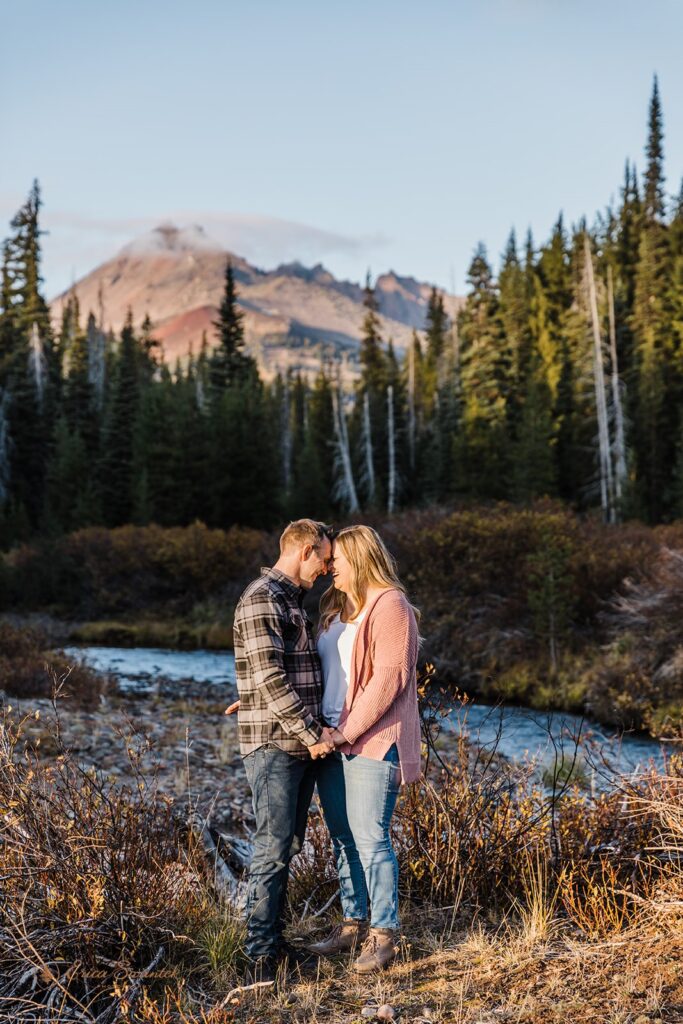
x: 551, y: 588
x: 498, y: 404
x: 229, y: 364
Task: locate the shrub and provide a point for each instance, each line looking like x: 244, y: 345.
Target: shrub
x: 97, y: 572
x: 100, y: 888
x: 29, y: 669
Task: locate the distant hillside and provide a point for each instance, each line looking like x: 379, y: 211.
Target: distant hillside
x: 294, y: 315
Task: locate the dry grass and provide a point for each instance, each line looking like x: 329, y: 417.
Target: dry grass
x: 519, y: 903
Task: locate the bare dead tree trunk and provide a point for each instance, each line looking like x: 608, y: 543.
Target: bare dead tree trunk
x: 345, y: 489
x: 97, y: 360
x: 411, y: 404
x: 37, y: 363
x: 620, y: 434
x: 606, y: 485
x: 391, y: 489
x: 286, y: 439
x: 369, y: 472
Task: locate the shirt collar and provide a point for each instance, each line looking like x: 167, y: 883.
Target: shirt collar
x: 285, y: 582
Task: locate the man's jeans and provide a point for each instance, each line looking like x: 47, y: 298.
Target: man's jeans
x: 358, y: 797
x: 282, y: 787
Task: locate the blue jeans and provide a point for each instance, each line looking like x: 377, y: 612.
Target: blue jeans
x: 282, y: 787
x: 358, y: 796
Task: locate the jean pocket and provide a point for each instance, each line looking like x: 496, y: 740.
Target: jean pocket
x: 392, y: 754
x: 395, y: 779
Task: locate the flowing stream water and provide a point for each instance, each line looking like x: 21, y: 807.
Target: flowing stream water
x: 518, y: 733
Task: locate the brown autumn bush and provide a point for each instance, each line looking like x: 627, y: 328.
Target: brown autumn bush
x: 96, y: 572
x: 28, y: 669
x: 638, y: 680
x: 100, y: 885
x: 504, y: 585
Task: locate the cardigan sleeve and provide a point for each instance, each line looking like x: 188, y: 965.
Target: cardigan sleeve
x: 393, y: 627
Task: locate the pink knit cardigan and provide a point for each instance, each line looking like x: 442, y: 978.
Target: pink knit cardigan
x: 381, y: 702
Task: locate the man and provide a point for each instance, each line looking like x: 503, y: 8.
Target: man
x: 279, y: 682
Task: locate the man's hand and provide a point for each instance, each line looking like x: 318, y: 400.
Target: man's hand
x: 324, y: 746
x: 320, y: 749
x: 233, y: 708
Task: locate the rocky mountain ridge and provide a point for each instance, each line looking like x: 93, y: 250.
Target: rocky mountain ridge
x: 295, y: 316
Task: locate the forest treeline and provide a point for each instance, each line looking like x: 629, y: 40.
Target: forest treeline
x: 562, y: 376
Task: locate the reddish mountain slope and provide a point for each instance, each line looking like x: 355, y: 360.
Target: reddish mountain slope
x: 294, y: 316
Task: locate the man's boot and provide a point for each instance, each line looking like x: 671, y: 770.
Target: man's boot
x: 379, y: 949
x: 342, y: 939
x: 261, y: 969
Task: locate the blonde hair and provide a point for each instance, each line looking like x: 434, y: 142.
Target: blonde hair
x: 304, y: 531
x: 371, y: 565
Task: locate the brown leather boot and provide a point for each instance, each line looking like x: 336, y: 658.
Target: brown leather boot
x: 379, y: 949
x: 342, y: 939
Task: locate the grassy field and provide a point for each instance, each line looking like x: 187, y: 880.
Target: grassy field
x: 523, y: 900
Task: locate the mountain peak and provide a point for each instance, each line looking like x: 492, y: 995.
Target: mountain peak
x: 168, y: 239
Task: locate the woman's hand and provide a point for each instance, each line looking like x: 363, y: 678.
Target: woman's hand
x: 338, y: 738
x: 232, y: 708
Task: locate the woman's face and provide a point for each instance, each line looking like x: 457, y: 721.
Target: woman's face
x: 340, y: 567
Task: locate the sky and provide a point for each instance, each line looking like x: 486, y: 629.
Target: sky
x: 366, y: 135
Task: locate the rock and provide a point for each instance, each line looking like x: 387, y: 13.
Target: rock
x: 369, y: 1012
x: 386, y: 1012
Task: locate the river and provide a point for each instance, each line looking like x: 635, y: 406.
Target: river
x: 518, y: 733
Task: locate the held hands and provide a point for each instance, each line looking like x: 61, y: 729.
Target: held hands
x: 329, y: 739
x: 324, y: 746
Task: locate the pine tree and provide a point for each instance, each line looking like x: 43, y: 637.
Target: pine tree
x: 436, y: 336
x: 229, y: 364
x: 515, y: 315
x: 658, y: 387
x: 28, y: 367
x: 120, y: 425
x: 654, y: 190
x: 534, y: 471
x: 482, y: 455
x: 156, y: 486
x: 369, y: 430
x: 315, y: 459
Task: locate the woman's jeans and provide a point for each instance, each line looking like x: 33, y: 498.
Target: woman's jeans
x: 358, y: 796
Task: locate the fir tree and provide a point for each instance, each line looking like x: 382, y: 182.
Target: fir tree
x: 369, y: 432
x: 654, y: 194
x: 121, y: 418
x: 229, y: 364
x: 481, y: 448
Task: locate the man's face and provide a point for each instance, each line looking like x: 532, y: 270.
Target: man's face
x: 315, y: 561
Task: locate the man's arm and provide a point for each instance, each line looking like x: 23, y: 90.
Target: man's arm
x: 261, y: 632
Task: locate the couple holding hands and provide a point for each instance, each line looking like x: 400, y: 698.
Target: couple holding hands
x: 338, y: 711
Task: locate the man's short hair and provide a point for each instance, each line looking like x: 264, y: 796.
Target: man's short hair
x: 304, y: 531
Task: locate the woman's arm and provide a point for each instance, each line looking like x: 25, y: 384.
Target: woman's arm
x: 394, y: 628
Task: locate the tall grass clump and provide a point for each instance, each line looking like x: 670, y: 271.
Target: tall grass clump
x: 489, y: 838
x: 104, y: 893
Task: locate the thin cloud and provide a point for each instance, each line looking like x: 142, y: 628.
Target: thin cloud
x: 75, y: 243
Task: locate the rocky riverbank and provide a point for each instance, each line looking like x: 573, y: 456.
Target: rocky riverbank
x: 178, y: 735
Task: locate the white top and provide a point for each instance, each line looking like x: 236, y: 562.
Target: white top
x: 335, y: 647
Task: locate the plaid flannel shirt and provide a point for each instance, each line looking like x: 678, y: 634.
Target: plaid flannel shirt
x: 278, y: 670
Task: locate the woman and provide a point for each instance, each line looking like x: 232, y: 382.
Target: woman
x: 368, y: 645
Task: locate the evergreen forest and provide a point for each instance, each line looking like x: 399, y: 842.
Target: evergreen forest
x: 561, y: 376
